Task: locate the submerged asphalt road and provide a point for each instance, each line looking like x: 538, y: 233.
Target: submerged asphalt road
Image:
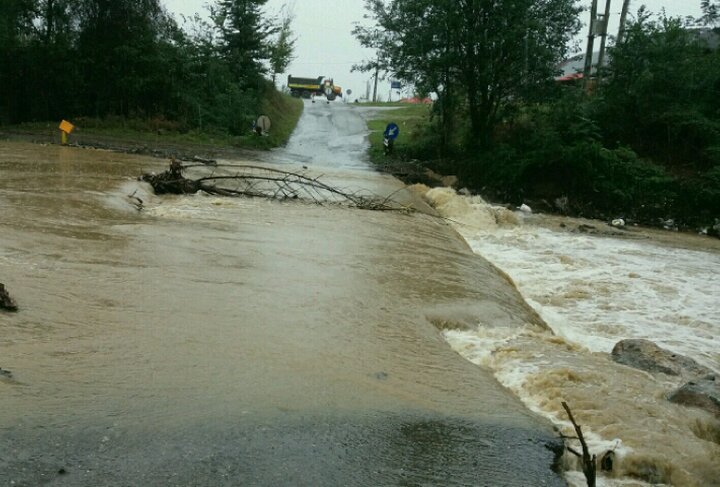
x: 215, y: 341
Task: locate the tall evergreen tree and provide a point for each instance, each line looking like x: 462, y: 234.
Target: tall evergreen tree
x: 711, y: 12
x: 243, y: 36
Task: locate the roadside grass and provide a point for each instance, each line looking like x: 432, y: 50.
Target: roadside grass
x: 283, y: 110
x: 413, y: 121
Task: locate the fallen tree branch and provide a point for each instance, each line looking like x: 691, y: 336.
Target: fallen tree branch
x: 588, y: 462
x: 263, y: 182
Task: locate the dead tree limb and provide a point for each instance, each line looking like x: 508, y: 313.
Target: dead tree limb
x: 588, y: 462
x: 263, y: 182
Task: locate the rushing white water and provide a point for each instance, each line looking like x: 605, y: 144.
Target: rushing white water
x: 594, y: 290
x: 598, y: 290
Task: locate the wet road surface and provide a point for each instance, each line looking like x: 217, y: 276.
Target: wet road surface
x: 211, y: 341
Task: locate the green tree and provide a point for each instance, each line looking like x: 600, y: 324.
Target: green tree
x: 661, y: 95
x: 243, y: 37
x: 282, y: 49
x: 16, y: 30
x: 429, y: 59
x: 120, y: 50
x: 711, y: 12
x: 130, y: 59
x: 52, y: 52
x: 36, y: 42
x: 495, y: 53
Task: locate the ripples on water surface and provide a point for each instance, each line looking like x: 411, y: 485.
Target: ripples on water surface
x: 206, y: 341
x: 594, y: 291
x: 266, y: 343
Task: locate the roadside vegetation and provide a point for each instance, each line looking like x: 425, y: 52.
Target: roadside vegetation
x: 642, y: 144
x: 127, y: 68
x: 413, y: 123
x: 283, y: 110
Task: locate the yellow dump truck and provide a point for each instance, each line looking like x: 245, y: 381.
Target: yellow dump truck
x: 309, y: 87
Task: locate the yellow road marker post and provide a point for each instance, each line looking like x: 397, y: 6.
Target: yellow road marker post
x: 65, y: 129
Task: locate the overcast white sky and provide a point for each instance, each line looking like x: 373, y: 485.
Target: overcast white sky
x: 326, y: 46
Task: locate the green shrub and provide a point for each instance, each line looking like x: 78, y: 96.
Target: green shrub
x: 551, y: 151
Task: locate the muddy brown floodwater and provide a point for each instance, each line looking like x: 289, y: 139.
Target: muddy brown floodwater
x: 210, y: 341
x: 594, y: 290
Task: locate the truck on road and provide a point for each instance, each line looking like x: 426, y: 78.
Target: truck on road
x: 311, y: 87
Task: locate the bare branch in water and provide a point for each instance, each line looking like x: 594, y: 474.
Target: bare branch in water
x: 588, y: 462
x: 264, y: 182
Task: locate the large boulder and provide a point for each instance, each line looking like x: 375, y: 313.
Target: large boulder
x: 701, y: 393
x: 646, y: 355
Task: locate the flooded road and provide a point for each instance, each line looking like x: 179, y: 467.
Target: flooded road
x: 216, y: 341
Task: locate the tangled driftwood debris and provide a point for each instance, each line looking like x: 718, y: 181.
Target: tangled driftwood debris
x: 261, y: 182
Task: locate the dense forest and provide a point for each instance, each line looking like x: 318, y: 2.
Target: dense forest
x: 640, y: 140
x: 131, y: 59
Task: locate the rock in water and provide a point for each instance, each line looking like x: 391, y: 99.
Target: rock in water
x: 525, y: 208
x: 701, y: 393
x: 6, y: 302
x: 646, y: 355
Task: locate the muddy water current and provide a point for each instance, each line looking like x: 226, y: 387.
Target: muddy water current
x: 217, y: 341
x: 592, y: 291
x: 204, y: 340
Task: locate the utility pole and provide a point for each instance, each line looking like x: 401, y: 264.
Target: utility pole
x: 623, y: 18
x: 603, y: 39
x: 377, y: 72
x: 587, y: 72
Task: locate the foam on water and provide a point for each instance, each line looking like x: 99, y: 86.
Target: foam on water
x: 598, y: 290
x: 594, y: 291
x: 200, y: 206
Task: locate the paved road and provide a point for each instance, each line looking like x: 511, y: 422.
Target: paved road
x: 207, y: 341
